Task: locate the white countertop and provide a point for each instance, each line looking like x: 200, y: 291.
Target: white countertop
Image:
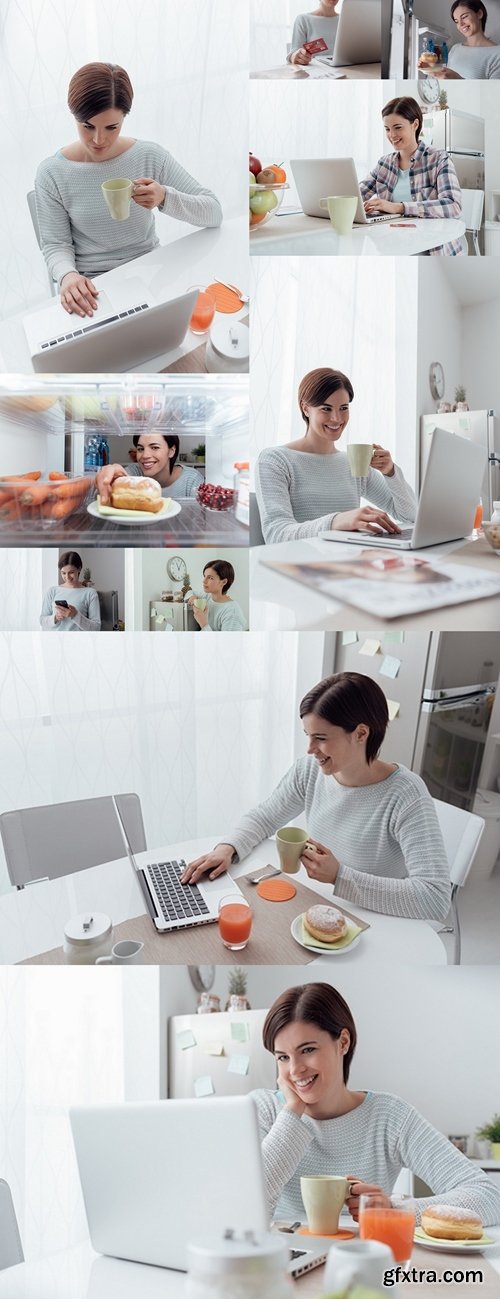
x: 300, y: 234
x: 190, y: 256
x: 32, y: 920
x: 317, y: 70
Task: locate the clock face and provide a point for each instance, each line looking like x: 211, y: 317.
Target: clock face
x: 176, y: 568
x: 202, y: 977
x: 436, y: 380
x: 429, y: 89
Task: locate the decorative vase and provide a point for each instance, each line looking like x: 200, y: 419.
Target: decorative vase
x: 462, y: 405
x: 237, y: 1002
x: 495, y: 1150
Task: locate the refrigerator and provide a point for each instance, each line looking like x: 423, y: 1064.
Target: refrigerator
x: 461, y: 135
x: 108, y: 604
x: 218, y: 1054
x: 171, y: 615
x: 483, y: 428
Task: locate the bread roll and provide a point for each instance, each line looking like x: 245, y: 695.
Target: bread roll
x: 325, y: 923
x: 450, y: 1222
x: 136, y: 494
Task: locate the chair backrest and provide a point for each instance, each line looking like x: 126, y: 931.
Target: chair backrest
x: 256, y: 535
x: 62, y: 838
x: 31, y: 197
x: 461, y: 832
x: 11, y: 1250
x: 472, y: 208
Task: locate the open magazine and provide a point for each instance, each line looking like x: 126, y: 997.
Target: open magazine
x: 391, y: 585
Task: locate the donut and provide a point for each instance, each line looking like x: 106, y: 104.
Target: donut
x: 325, y: 923
x: 450, y: 1222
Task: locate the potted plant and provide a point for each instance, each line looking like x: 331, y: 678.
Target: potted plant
x: 199, y: 453
x: 443, y: 99
x: 491, y: 1132
x: 237, y: 988
x: 87, y: 577
x: 460, y: 398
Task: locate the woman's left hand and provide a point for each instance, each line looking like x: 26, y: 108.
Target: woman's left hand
x: 376, y: 204
x: 382, y: 460
x: 320, y: 863
x: 361, y: 1188
x: 446, y: 74
x: 201, y: 616
x: 148, y: 193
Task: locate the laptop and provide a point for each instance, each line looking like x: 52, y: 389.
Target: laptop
x: 450, y: 491
x: 127, y: 328
x: 170, y: 904
x: 359, y: 34
x: 317, y: 178
x: 156, y: 1176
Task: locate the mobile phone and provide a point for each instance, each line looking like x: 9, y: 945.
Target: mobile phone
x: 265, y: 873
x: 63, y: 604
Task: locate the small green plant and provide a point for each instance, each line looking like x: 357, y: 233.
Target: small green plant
x: 237, y: 982
x: 490, y: 1131
x: 443, y: 99
x: 199, y: 452
x: 460, y: 393
x: 87, y: 577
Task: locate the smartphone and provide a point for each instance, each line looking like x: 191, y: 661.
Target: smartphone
x: 265, y: 873
x: 63, y: 604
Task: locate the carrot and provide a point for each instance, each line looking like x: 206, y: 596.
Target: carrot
x: 58, y: 509
x: 36, y: 494
x: 15, y: 478
x: 55, y: 476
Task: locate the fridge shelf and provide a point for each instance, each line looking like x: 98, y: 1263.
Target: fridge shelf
x: 200, y: 406
x: 193, y: 526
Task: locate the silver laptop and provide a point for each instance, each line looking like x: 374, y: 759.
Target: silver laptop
x: 155, y: 1176
x: 170, y: 904
x: 450, y: 491
x: 359, y: 34
x: 127, y: 328
x: 317, y: 178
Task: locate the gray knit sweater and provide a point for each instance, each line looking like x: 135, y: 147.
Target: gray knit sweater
x: 308, y: 27
x: 373, y: 1142
x: 78, y: 233
x: 386, y: 837
x: 299, y: 492
x: 185, y: 485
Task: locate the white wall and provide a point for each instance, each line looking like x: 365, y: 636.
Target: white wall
x: 481, y: 331
x: 155, y: 578
x: 439, y: 335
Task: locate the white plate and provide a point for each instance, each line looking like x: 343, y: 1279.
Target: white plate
x: 170, y: 508
x: 454, y: 1246
x: 296, y: 932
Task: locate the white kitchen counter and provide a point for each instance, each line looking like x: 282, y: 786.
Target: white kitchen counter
x: 290, y: 235
x: 319, y: 70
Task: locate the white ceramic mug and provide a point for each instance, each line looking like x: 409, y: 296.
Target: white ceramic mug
x: 341, y: 210
x: 126, y: 952
x: 360, y: 455
x: 323, y: 1198
x: 357, y: 1262
x: 117, y: 194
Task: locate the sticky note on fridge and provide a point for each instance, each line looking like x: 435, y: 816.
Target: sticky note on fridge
x: 186, y: 1039
x: 390, y: 667
x: 160, y: 617
x: 349, y: 637
x: 395, y: 637
x: 239, y: 1032
x: 154, y: 613
x: 214, y: 1048
x: 393, y: 708
x: 238, y: 1064
x: 370, y: 647
x: 204, y: 1086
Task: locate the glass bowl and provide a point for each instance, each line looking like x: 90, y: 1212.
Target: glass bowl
x: 265, y: 201
x: 492, y: 534
x: 214, y: 497
x: 38, y: 500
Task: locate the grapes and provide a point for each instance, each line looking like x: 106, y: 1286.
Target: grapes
x: 215, y: 497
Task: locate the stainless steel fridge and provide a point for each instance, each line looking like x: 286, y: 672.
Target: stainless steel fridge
x: 219, y: 1054
x: 108, y: 604
x: 166, y: 615
x: 461, y: 135
x: 483, y: 428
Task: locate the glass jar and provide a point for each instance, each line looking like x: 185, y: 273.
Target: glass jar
x: 86, y: 937
x: 250, y: 1266
x: 242, y: 488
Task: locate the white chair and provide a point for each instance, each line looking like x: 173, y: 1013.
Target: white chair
x: 256, y: 534
x: 61, y: 838
x: 31, y: 198
x: 461, y: 833
x: 472, y: 214
x: 11, y: 1250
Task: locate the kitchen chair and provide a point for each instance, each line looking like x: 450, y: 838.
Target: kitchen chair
x: 11, y: 1250
x: 61, y: 838
x: 461, y: 833
x: 472, y: 213
x: 31, y: 198
x: 256, y: 536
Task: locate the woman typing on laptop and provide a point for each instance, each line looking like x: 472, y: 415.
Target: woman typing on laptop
x: 385, y: 850
x: 415, y: 180
x: 307, y: 487
x: 79, y: 236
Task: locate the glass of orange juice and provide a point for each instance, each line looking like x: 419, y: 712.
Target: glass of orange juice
x: 235, y: 921
x: 478, y: 519
x: 204, y: 311
x: 391, y: 1220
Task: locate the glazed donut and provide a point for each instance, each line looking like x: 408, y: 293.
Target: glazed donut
x: 325, y: 923
x: 450, y: 1222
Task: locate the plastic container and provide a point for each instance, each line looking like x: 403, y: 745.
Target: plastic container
x: 86, y: 937
x: 242, y: 489
x: 250, y: 1266
x: 42, y: 500
x: 261, y: 196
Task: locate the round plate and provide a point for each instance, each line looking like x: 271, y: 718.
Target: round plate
x: 170, y: 508
x: 454, y: 1246
x: 296, y: 932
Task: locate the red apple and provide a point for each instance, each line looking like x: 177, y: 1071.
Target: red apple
x: 254, y: 165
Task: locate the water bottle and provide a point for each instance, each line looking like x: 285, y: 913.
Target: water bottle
x: 444, y: 53
x: 103, y: 450
x: 91, y: 461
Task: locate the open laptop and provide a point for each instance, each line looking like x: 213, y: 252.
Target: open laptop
x: 127, y: 328
x: 170, y: 904
x: 450, y: 491
x: 359, y: 34
x: 156, y: 1176
x: 317, y: 178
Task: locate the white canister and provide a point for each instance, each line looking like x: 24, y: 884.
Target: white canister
x: 228, y: 348
x: 86, y: 937
x: 248, y: 1266
x: 357, y: 1262
x: 495, y: 518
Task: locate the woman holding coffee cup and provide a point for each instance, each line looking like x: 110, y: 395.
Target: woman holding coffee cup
x: 315, y: 1125
x: 155, y: 457
x: 372, y: 830
x: 310, y: 486
x: 79, y: 236
x: 218, y: 612
x: 70, y: 606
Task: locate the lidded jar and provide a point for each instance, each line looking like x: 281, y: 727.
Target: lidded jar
x: 86, y: 937
x: 249, y: 1265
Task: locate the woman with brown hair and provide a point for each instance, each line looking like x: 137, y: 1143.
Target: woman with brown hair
x: 79, y: 238
x: 306, y: 487
x: 221, y: 613
x: 83, y: 613
x: 478, y: 57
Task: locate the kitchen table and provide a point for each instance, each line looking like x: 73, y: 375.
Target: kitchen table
x: 290, y: 234
x: 32, y: 920
x: 189, y: 256
x: 194, y: 525
x: 292, y: 72
x: 279, y: 603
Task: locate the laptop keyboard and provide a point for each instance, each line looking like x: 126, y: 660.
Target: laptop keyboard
x: 175, y: 901
x: 97, y: 324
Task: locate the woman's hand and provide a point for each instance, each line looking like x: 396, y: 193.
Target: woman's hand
x: 376, y: 204
x: 213, y: 863
x: 78, y: 294
x: 105, y: 477
x: 446, y: 74
x: 358, y: 1188
x: 201, y: 616
x: 320, y: 863
x: 382, y: 460
x: 60, y: 614
x: 300, y: 56
x: 148, y: 193
x: 292, y: 1101
x: 366, y: 519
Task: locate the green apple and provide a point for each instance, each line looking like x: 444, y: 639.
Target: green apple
x: 251, y: 178
x: 265, y: 202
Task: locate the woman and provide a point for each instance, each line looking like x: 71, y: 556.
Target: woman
x: 385, y: 850
x: 478, y: 58
x: 321, y: 23
x: 221, y: 613
x: 415, y: 180
x: 306, y: 487
x: 83, y: 613
x: 314, y: 1124
x: 79, y: 238
x: 155, y: 457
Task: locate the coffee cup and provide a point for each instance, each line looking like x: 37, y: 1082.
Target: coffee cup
x: 126, y: 952
x: 323, y: 1198
x: 357, y: 1262
x: 200, y: 603
x: 359, y: 455
x: 117, y: 195
x: 290, y: 842
x: 341, y: 210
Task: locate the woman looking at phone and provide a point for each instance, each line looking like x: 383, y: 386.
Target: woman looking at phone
x: 70, y: 606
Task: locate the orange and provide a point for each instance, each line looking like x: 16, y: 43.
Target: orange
x: 279, y: 172
x: 257, y: 217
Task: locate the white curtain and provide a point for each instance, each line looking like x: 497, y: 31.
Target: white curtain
x: 20, y: 589
x: 188, y: 65
x: 271, y: 30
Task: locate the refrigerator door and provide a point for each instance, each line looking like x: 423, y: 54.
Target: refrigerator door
x: 473, y: 424
x: 450, y: 746
x: 461, y: 665
x: 226, y: 1048
x: 454, y: 131
x: 108, y: 604
x: 166, y: 616
x: 409, y: 650
x: 469, y: 168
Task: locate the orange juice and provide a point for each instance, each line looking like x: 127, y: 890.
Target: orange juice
x: 203, y: 314
x: 393, y: 1227
x: 478, y: 517
x: 235, y: 924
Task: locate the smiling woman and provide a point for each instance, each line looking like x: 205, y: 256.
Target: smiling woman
x: 478, y: 57
x: 156, y: 455
x: 320, y: 24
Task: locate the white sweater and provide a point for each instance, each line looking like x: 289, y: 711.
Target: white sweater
x: 475, y: 62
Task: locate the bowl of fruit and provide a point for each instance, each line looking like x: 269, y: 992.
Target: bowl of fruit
x: 267, y: 186
x: 492, y: 533
x: 214, y: 497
